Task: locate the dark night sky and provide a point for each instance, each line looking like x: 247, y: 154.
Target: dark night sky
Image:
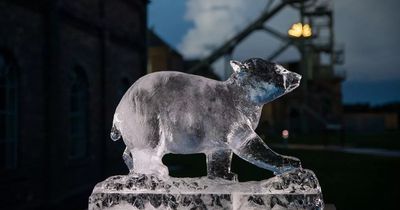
x: 369, y: 30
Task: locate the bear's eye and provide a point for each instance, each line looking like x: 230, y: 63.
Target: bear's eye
x: 280, y: 70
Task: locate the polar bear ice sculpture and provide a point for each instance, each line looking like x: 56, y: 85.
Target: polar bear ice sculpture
x: 172, y: 112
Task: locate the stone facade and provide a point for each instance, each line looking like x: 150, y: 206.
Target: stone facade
x: 161, y: 56
x: 47, y: 40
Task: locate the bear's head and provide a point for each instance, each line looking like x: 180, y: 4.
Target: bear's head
x: 264, y: 81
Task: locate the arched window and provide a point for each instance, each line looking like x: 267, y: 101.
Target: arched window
x: 78, y: 114
x: 8, y: 113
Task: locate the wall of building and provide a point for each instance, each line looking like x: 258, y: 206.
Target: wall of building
x: 49, y: 41
x: 162, y: 58
x: 370, y: 122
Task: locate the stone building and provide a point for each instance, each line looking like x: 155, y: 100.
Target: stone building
x: 63, y: 67
x: 363, y: 118
x: 161, y: 56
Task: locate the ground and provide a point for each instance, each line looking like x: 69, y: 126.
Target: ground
x: 385, y: 140
x: 353, y: 181
x: 349, y: 181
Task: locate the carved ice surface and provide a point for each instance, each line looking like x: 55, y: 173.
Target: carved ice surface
x: 173, y: 112
x: 297, y: 189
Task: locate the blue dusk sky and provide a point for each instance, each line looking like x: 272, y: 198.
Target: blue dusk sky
x: 368, y: 30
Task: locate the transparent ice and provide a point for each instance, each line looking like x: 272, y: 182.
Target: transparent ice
x: 296, y: 189
x: 173, y: 112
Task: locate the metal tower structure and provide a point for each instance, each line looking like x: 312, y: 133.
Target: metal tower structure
x: 318, y: 52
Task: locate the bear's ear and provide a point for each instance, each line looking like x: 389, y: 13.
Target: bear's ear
x: 236, y: 66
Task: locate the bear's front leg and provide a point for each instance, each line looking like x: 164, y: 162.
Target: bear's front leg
x: 246, y: 144
x: 219, y: 165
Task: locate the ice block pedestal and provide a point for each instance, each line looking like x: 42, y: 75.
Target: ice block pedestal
x: 298, y: 189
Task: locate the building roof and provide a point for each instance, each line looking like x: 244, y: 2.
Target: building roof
x: 154, y: 40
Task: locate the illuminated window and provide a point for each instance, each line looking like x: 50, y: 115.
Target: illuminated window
x: 78, y: 115
x: 8, y: 113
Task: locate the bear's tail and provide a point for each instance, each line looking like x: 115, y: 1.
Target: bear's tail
x: 115, y: 132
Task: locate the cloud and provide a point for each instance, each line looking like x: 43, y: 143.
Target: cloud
x: 368, y: 30
x: 214, y: 21
x: 262, y: 44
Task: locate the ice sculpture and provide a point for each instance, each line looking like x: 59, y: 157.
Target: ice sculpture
x: 296, y: 189
x: 174, y: 112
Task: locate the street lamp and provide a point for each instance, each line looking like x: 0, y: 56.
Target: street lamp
x: 299, y: 30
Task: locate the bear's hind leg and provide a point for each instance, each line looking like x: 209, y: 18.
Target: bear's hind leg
x: 219, y: 165
x: 148, y: 162
x: 128, y: 159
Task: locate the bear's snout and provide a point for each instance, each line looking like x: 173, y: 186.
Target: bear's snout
x: 292, y: 81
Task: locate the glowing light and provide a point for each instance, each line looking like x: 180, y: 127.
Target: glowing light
x: 299, y: 30
x: 285, y: 134
x: 296, y: 30
x: 307, y: 32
